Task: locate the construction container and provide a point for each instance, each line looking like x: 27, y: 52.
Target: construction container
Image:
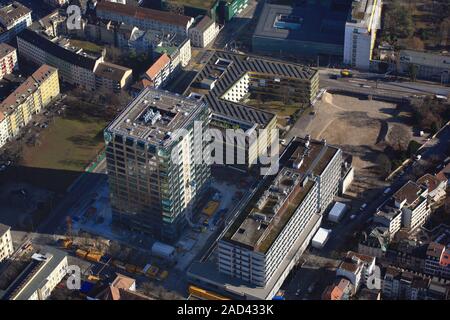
x: 81, y: 253
x: 211, y: 208
x: 152, y: 272
x: 164, y: 251
x: 93, y: 256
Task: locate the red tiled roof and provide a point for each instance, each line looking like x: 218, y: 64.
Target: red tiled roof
x: 157, y: 66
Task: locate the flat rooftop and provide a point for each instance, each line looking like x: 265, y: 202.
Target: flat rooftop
x: 224, y: 69
x: 320, y: 21
x: 11, y: 12
x: 269, y: 210
x: 154, y: 115
x: 411, y: 192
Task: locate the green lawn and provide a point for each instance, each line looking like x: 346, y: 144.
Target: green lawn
x: 67, y: 144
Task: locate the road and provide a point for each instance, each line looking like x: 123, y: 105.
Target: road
x: 376, y: 84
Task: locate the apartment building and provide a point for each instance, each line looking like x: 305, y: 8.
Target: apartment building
x: 436, y: 185
x: 56, y: 3
x: 159, y: 72
x: 341, y: 289
x: 150, y: 190
x: 74, y: 66
x: 361, y: 31
x: 112, y: 77
x: 412, y: 200
x: 374, y: 241
x: 428, y: 66
x: 437, y: 262
x: 275, y: 224
x: 227, y: 78
x: 144, y: 18
x: 203, y: 32
x: 8, y: 59
x: 390, y: 217
x: 14, y: 18
x: 6, y: 245
x: 29, y: 98
x: 401, y: 284
x: 38, y: 279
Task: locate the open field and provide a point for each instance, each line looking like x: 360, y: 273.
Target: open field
x: 68, y: 144
x: 362, y: 128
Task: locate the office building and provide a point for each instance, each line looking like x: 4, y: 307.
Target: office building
x: 8, y: 59
x: 150, y: 191
x: 40, y: 276
x: 14, y: 18
x: 6, y: 245
x: 33, y: 95
x: 274, y: 225
x: 203, y: 32
x: 144, y: 18
x: 361, y: 31
x: 228, y: 78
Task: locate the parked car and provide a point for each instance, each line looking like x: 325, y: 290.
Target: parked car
x: 363, y: 207
x: 386, y: 191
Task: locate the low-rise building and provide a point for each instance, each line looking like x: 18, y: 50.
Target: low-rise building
x: 437, y: 261
x: 436, y: 184
x: 8, y: 59
x: 203, y: 32
x: 374, y: 241
x: 401, y: 284
x: 357, y: 268
x: 341, y: 289
x: 390, y: 217
x: 56, y: 3
x: 6, y: 245
x: 38, y: 279
x: 17, y: 109
x: 121, y: 288
x: 427, y: 65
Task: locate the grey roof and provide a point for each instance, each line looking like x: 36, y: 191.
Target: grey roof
x: 3, y: 229
x: 41, y: 270
x: 319, y: 23
x: 426, y: 59
x: 241, y: 64
x: 54, y: 49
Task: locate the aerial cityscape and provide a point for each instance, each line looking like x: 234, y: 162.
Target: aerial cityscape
x: 225, y: 150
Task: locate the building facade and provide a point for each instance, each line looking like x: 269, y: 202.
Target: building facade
x: 150, y: 190
x: 6, y: 245
x: 29, y: 98
x: 203, y: 32
x: 8, y: 59
x: 437, y: 262
x: 361, y: 31
x: 144, y: 18
x: 14, y: 18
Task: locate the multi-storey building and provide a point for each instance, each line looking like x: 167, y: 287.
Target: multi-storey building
x: 357, y: 268
x: 144, y: 18
x: 390, y: 217
x: 412, y: 200
x: 74, y: 66
x: 407, y: 285
x: 228, y: 78
x: 275, y: 224
x: 39, y: 278
x: 361, y: 31
x: 437, y: 262
x: 8, y: 59
x: 203, y: 32
x: 159, y: 72
x: 29, y: 98
x: 56, y: 3
x: 6, y: 245
x: 150, y: 190
x: 436, y: 185
x: 14, y: 18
